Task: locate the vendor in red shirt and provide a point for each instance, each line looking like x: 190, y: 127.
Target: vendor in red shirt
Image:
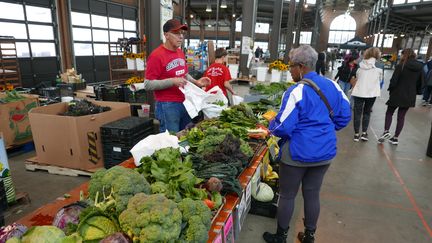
x: 218, y: 73
x: 166, y: 71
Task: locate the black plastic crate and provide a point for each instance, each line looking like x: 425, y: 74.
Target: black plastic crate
x: 72, y: 86
x: 125, y: 128
x: 108, y: 163
x: 126, y: 141
x: 266, y: 209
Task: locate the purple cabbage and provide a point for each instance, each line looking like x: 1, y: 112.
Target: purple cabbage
x: 13, y: 230
x: 68, y: 214
x: 117, y: 238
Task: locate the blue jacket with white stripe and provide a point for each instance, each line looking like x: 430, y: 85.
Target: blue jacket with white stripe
x: 304, y: 119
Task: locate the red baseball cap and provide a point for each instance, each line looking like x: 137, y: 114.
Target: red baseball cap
x: 174, y: 25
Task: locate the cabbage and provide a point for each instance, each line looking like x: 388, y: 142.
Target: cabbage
x: 13, y: 230
x: 264, y: 193
x: 68, y: 214
x: 43, y: 234
x: 117, y: 238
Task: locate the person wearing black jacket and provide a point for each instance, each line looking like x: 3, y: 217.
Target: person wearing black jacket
x: 320, y: 66
x: 405, y: 84
x: 345, y: 73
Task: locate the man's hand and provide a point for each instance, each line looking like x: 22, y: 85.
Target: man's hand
x: 204, y: 81
x: 179, y: 82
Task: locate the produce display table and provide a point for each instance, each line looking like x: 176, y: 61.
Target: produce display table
x: 226, y: 224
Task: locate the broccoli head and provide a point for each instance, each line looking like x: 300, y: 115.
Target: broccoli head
x: 122, y: 183
x: 197, y: 217
x: 151, y: 218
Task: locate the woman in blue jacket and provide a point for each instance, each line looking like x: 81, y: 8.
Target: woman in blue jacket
x: 308, y: 141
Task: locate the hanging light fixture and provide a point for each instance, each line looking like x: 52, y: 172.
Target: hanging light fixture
x: 208, y: 9
x: 223, y: 4
x: 191, y: 16
x: 305, y: 4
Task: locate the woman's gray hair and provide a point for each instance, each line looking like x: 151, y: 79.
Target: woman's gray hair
x: 304, y: 54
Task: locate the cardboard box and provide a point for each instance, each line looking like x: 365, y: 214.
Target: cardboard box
x: 72, y: 142
x: 14, y: 122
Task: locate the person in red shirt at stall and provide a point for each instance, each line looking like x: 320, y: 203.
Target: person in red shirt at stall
x: 218, y: 73
x: 166, y: 71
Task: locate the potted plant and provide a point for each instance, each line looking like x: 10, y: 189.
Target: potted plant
x: 276, y: 68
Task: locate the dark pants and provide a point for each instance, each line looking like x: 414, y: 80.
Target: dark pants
x: 362, y: 110
x: 426, y: 93
x: 400, y: 118
x: 290, y: 178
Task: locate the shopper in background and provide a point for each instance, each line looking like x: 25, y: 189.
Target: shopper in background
x: 405, y: 84
x: 428, y: 83
x: 218, y: 73
x: 320, y: 66
x: 166, y: 71
x: 345, y: 73
x: 308, y: 141
x: 365, y: 90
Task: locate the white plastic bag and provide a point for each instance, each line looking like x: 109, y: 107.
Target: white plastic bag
x: 194, y: 97
x: 150, y: 144
x: 197, y: 99
x: 236, y: 100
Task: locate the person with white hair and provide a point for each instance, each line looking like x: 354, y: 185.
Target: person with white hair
x: 310, y: 114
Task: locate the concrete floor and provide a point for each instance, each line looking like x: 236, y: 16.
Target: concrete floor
x: 371, y: 193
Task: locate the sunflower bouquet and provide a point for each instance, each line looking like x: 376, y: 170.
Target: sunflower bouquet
x: 131, y: 55
x: 134, y: 80
x: 278, y: 65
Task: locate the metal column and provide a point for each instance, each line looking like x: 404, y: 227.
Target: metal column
x: 202, y: 30
x: 217, y: 23
x: 153, y: 26
x: 389, y: 6
x: 248, y: 30
x: 232, y: 32
x: 290, y: 27
x: 299, y: 22
x: 276, y: 29
x: 316, y: 29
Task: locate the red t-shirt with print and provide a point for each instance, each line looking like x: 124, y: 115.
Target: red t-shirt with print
x: 218, y: 74
x: 162, y: 64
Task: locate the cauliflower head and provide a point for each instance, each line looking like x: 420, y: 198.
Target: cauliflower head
x: 122, y: 182
x: 197, y: 217
x: 151, y: 218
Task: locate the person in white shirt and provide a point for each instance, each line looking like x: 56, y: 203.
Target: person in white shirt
x: 365, y: 91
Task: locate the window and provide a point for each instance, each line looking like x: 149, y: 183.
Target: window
x: 395, y: 2
x: 238, y: 26
x: 41, y: 32
x: 82, y: 49
x: 262, y: 28
x: 13, y: 29
x: 11, y: 11
x: 413, y: 1
x: 115, y: 23
x: 93, y: 37
x: 342, y: 29
x: 262, y: 45
x: 22, y: 49
x: 38, y: 14
x: 99, y: 21
x: 100, y: 49
x: 425, y: 45
x: 43, y: 49
x: 80, y: 19
x: 222, y: 43
x: 305, y: 37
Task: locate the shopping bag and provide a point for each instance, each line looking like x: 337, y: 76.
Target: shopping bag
x: 236, y: 100
x: 211, y: 106
x: 150, y: 144
x: 194, y: 97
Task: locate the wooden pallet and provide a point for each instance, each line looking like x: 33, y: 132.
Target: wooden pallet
x: 33, y: 164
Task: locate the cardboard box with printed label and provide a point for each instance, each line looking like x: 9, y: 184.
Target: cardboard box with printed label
x: 14, y: 121
x: 72, y: 142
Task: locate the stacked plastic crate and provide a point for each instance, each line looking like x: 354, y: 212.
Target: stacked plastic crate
x: 120, y: 136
